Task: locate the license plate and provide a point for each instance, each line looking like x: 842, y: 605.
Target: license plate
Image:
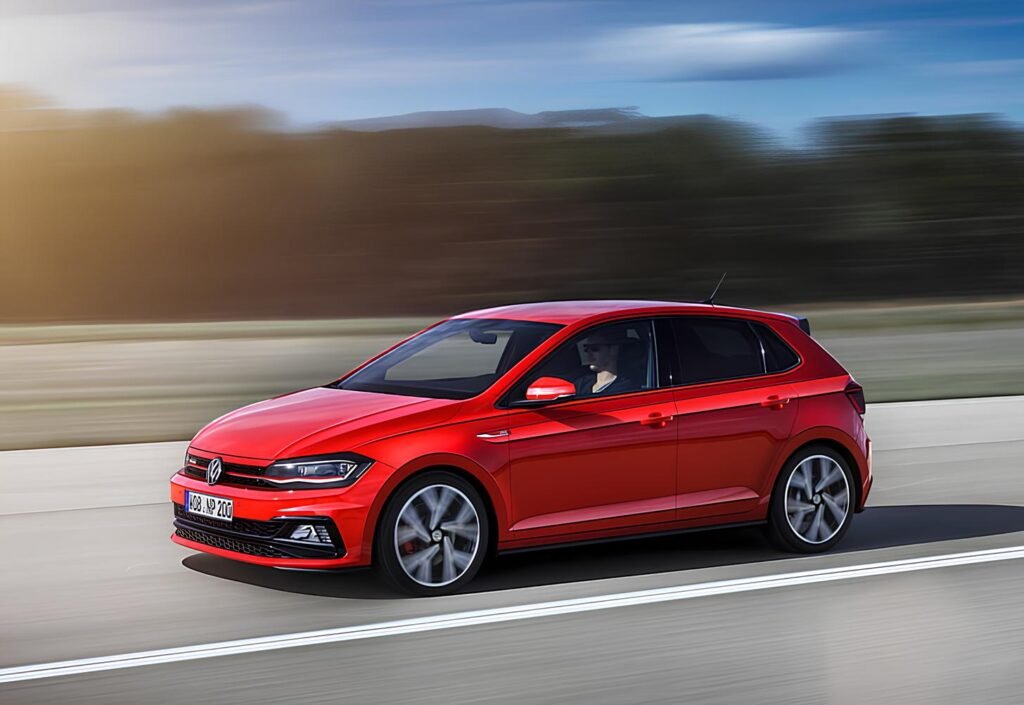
x: 209, y: 506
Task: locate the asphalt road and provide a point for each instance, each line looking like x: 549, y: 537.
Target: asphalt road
x: 88, y: 571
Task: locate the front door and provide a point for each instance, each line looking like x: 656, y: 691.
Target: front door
x: 607, y: 458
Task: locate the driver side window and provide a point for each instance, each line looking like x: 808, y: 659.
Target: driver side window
x: 613, y: 358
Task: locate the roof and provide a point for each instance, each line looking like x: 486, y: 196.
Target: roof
x: 566, y: 312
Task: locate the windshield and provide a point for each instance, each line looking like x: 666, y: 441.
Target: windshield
x: 457, y: 359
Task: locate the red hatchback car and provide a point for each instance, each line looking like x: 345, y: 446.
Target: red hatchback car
x: 531, y: 425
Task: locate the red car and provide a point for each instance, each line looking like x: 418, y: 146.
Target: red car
x: 532, y: 425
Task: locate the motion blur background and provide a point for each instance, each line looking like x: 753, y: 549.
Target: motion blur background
x: 201, y: 205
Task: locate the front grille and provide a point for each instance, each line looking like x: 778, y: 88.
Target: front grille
x: 262, y: 529
x: 231, y: 467
x: 244, y: 481
x: 231, y: 475
x: 268, y: 539
x: 229, y: 544
x: 229, y: 479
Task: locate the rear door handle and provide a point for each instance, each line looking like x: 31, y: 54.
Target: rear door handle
x: 775, y: 402
x: 656, y: 420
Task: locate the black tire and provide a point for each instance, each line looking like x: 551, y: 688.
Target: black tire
x: 388, y: 562
x: 780, y: 528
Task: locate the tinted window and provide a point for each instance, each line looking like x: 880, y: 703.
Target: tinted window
x: 616, y: 358
x: 457, y: 359
x: 777, y: 355
x: 711, y: 349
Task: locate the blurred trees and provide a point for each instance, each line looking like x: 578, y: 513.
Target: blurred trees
x: 222, y: 214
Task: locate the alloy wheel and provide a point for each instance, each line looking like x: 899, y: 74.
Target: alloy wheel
x: 817, y: 499
x: 437, y: 535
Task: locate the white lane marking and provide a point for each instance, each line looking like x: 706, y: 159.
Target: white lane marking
x: 500, y: 614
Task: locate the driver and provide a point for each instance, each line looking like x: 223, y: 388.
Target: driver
x: 600, y: 353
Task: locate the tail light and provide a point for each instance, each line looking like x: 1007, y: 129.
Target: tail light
x: 855, y: 393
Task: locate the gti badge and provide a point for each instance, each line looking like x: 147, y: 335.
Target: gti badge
x: 213, y: 471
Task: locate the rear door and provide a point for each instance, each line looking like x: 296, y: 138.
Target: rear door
x: 734, y: 410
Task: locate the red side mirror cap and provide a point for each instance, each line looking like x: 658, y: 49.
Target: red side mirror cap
x: 549, y: 389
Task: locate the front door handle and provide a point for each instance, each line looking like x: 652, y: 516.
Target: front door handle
x: 656, y: 420
x: 775, y: 402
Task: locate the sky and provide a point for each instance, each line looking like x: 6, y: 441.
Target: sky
x: 776, y: 64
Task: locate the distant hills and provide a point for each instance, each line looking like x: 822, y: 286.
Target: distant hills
x: 22, y: 109
x: 504, y: 118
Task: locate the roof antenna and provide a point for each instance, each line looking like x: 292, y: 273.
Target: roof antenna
x: 711, y: 299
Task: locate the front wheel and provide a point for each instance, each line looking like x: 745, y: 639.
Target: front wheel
x: 812, y: 503
x: 433, y: 535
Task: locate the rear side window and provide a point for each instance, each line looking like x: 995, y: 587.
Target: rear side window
x: 711, y: 349
x: 777, y: 355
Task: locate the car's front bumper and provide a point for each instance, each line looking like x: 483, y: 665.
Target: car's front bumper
x: 262, y: 539
x: 263, y: 520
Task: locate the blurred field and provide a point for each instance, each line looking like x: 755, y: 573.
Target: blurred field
x: 94, y: 384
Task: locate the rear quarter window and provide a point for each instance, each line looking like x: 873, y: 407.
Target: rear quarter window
x: 778, y: 356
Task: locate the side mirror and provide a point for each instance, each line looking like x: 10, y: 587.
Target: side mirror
x: 550, y: 389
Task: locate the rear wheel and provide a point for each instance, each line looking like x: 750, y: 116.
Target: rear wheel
x: 812, y: 503
x: 433, y: 535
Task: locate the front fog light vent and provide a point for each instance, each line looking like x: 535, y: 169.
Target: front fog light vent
x: 314, y: 533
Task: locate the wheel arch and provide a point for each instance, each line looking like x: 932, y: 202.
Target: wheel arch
x: 457, y: 465
x: 832, y: 438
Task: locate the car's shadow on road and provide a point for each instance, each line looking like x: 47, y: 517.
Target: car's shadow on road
x: 877, y: 527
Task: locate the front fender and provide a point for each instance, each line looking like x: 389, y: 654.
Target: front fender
x: 457, y: 462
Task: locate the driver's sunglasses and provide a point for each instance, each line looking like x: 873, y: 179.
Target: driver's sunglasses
x: 594, y: 347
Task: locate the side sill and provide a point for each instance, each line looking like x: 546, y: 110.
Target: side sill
x: 628, y: 537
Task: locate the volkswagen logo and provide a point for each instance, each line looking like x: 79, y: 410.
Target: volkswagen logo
x: 213, y: 471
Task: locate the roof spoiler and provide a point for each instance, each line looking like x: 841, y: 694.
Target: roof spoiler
x: 801, y: 322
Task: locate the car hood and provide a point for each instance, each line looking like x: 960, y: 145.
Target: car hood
x: 309, y: 422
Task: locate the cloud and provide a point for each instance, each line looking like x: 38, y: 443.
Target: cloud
x: 731, y: 52
x: 991, y: 67
x: 164, y: 52
x: 35, y: 8
x: 56, y: 48
x: 85, y: 58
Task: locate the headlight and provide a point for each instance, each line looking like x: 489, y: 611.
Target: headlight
x: 325, y: 471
